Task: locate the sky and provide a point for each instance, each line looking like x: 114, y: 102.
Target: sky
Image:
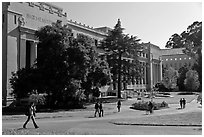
x: 153, y: 22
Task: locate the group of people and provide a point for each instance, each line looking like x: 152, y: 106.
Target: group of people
x: 182, y: 103
x: 99, y: 108
x: 31, y: 110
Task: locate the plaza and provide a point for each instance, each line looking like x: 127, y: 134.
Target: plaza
x: 169, y: 121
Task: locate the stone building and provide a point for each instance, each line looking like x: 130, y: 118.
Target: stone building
x: 175, y: 58
x: 20, y: 20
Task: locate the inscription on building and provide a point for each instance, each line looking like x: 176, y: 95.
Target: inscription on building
x: 39, y: 19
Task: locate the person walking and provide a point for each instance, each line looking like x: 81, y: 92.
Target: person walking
x: 119, y: 105
x: 150, y: 106
x: 181, y: 103
x: 100, y: 109
x: 31, y: 115
x: 96, y: 109
x: 184, y: 103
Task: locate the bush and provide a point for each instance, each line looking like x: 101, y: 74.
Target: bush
x: 142, y: 105
x: 186, y: 93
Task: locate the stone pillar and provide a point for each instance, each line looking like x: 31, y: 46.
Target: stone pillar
x: 160, y: 70
x: 151, y: 74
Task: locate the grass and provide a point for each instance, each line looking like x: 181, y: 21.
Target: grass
x: 185, y: 119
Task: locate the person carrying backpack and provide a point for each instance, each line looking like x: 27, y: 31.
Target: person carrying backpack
x: 119, y: 105
x: 96, y: 109
x: 30, y: 113
x: 100, y: 109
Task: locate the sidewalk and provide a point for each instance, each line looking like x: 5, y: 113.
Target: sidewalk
x: 127, y: 116
x: 173, y: 116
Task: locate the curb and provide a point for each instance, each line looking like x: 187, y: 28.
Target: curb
x: 156, y: 124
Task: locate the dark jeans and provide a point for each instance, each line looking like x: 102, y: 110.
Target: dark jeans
x: 96, y: 111
x: 101, y: 112
x: 28, y: 119
x: 118, y: 108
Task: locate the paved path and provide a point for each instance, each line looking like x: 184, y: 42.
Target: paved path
x: 84, y: 115
x: 83, y: 122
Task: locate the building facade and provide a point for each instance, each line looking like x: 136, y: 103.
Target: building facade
x: 176, y: 59
x: 19, y: 45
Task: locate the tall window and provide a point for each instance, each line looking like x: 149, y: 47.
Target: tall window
x: 28, y: 54
x: 96, y: 42
x: 3, y: 18
x: 14, y: 19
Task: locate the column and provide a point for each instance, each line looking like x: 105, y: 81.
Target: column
x: 160, y: 70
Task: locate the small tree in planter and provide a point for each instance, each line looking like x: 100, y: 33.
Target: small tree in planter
x: 143, y: 105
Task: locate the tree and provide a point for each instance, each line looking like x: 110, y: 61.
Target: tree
x: 118, y: 45
x: 170, y: 78
x: 24, y: 82
x: 160, y: 87
x: 191, y: 82
x: 98, y: 73
x: 182, y: 76
x: 191, y: 40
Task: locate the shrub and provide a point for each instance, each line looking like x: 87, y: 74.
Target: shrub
x: 142, y: 105
x: 186, y: 93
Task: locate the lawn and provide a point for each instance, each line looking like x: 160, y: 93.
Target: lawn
x: 182, y: 119
x: 170, y: 100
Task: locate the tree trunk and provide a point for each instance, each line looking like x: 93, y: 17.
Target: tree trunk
x: 119, y: 76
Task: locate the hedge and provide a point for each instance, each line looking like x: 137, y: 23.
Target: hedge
x: 143, y: 105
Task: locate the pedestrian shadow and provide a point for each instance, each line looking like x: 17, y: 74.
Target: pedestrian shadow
x: 21, y: 128
x: 24, y: 128
x: 179, y: 108
x: 90, y: 117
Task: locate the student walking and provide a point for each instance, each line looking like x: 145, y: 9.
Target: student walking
x: 181, y: 103
x: 31, y: 115
x: 150, y: 107
x: 119, y: 105
x: 96, y: 109
x: 100, y: 109
x: 184, y: 102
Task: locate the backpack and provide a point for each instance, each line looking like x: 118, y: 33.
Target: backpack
x: 27, y: 111
x: 96, y: 106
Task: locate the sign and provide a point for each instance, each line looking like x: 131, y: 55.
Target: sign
x: 39, y: 19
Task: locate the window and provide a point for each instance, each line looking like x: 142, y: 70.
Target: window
x: 14, y: 19
x: 96, y: 42
x: 166, y: 59
x: 175, y: 58
x: 179, y: 58
x: 184, y: 58
x: 189, y: 57
x: 171, y: 59
x: 175, y: 65
x: 3, y: 18
x: 143, y: 54
x: 28, y: 54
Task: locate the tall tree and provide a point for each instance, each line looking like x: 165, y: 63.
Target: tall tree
x: 118, y: 45
x: 170, y: 78
x: 191, y: 40
x: 191, y: 82
x: 182, y: 76
x: 64, y: 61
